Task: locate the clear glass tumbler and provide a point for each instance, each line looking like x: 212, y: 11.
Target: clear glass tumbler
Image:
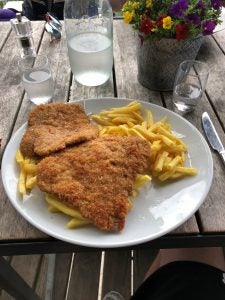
x: 113, y: 295
x: 190, y: 83
x: 37, y: 78
x: 88, y: 25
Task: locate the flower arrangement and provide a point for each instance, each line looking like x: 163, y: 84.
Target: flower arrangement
x: 179, y: 19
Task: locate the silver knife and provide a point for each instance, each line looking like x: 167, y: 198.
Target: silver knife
x: 212, y: 136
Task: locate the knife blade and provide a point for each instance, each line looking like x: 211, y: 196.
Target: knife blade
x: 212, y: 136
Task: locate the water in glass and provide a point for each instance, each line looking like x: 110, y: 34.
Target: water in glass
x: 189, y: 86
x: 186, y: 96
x: 38, y: 85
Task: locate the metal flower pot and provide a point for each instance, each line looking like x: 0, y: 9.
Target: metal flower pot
x: 158, y: 60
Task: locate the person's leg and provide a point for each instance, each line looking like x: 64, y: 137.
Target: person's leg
x: 212, y: 256
x: 185, y: 273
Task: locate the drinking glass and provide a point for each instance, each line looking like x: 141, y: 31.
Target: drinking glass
x: 113, y: 295
x: 37, y: 78
x: 88, y: 25
x: 190, y: 83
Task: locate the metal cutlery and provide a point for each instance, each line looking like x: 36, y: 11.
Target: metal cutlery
x: 53, y: 26
x: 212, y: 136
x: 51, y: 18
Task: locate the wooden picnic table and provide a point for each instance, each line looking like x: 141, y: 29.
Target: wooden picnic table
x: 205, y: 228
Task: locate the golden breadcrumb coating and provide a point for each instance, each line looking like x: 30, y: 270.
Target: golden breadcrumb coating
x: 52, y: 127
x: 96, y: 177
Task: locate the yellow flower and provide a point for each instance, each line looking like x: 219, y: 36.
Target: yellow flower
x: 148, y: 3
x: 167, y: 23
x: 128, y: 16
x: 127, y: 6
x: 135, y: 5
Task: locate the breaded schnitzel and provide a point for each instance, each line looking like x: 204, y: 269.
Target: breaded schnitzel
x: 96, y: 177
x: 52, y: 127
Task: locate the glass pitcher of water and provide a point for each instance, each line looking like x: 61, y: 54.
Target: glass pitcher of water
x: 89, y: 33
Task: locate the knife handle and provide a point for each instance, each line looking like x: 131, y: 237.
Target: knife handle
x: 222, y: 156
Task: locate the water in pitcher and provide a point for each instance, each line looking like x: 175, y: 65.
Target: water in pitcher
x: 90, y: 56
x: 38, y: 85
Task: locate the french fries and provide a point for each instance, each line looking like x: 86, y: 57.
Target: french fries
x: 168, y: 152
x: 140, y: 181
x: 57, y: 206
x: 27, y: 177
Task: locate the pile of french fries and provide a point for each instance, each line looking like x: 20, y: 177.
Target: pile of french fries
x: 168, y: 152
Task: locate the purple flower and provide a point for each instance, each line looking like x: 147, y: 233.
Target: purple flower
x: 208, y: 27
x: 216, y: 4
x: 194, y: 19
x: 178, y: 8
x: 200, y: 4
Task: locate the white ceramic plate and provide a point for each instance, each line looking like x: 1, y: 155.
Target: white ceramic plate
x: 157, y: 209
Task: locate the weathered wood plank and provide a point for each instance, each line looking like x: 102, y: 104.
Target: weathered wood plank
x: 126, y: 66
x: 79, y: 92
x: 220, y: 39
x: 41, y: 277
x: 62, y: 269
x: 5, y: 29
x: 211, y: 53
x: 142, y: 259
x: 117, y: 273
x: 27, y: 266
x: 190, y: 227
x: 33, y: 269
x: 85, y: 276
